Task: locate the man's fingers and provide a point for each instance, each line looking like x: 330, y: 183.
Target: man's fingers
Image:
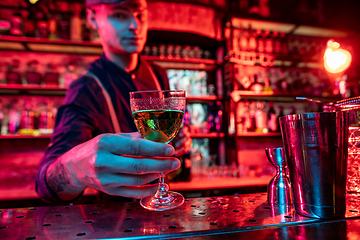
x: 138, y: 166
x: 134, y: 192
x: 129, y: 145
x: 110, y: 180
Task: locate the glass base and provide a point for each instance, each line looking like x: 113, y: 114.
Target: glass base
x: 171, y: 201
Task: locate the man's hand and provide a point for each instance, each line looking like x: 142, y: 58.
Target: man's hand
x: 117, y: 164
x: 182, y: 142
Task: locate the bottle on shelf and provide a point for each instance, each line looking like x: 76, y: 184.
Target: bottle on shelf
x: 51, y: 76
x: 13, y: 75
x: 30, y: 23
x: 32, y: 75
x: 16, y: 25
x: 52, y: 26
x: 269, y: 43
x: 14, y: 117
x: 211, y: 125
x: 244, y: 40
x: 2, y: 72
x: 276, y: 42
x: 250, y: 120
x: 76, y: 23
x: 256, y: 86
x: 219, y: 117
x: 260, y: 118
x: 260, y: 40
x: 63, y: 20
x: 272, y: 119
x: 5, y: 24
x: 27, y: 120
x: 252, y: 39
x: 284, y: 43
x: 41, y: 24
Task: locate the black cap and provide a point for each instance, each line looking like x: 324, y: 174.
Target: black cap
x: 90, y: 3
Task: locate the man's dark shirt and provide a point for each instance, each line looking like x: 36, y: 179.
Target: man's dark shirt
x: 85, y: 114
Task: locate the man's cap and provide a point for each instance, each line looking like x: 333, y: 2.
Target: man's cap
x: 90, y: 3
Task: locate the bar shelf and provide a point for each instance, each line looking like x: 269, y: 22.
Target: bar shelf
x: 17, y: 89
x: 259, y: 134
x: 14, y: 43
x: 207, y: 135
x: 278, y: 97
x: 24, y: 136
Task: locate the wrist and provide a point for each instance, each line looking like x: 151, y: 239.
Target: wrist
x: 61, y: 182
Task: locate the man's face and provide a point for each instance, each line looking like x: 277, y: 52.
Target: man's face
x: 123, y: 27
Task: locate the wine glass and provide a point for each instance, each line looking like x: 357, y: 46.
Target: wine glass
x: 158, y: 116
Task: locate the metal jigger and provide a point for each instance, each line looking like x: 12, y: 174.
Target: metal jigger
x: 279, y: 191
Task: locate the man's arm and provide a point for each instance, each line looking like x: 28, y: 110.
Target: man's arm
x: 111, y: 163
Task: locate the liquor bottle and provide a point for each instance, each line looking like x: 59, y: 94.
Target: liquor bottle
x: 251, y: 121
x: 41, y: 24
x: 16, y: 25
x: 252, y: 40
x: 244, y: 40
x: 211, y: 126
x: 260, y: 118
x: 5, y: 24
x: 30, y: 24
x: 277, y: 42
x: 269, y: 45
x: 2, y: 73
x: 52, y: 25
x: 256, y: 86
x: 51, y: 76
x: 218, y: 117
x: 284, y: 43
x: 260, y: 40
x: 32, y: 75
x: 272, y: 120
x: 76, y: 23
x: 63, y: 20
x: 13, y: 75
x: 236, y: 39
x: 14, y: 117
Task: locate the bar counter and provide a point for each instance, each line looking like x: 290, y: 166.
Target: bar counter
x: 247, y: 216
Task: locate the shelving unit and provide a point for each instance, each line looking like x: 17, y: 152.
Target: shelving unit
x: 245, y: 64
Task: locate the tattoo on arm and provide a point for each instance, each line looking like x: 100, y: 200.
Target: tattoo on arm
x: 57, y: 177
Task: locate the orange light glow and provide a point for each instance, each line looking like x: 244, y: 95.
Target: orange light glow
x: 336, y: 60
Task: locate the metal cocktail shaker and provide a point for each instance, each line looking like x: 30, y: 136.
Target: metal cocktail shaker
x: 315, y: 146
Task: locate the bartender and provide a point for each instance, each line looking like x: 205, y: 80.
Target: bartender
x: 95, y: 141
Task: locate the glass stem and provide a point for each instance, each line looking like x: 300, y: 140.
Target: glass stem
x: 161, y: 178
x: 162, y: 191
